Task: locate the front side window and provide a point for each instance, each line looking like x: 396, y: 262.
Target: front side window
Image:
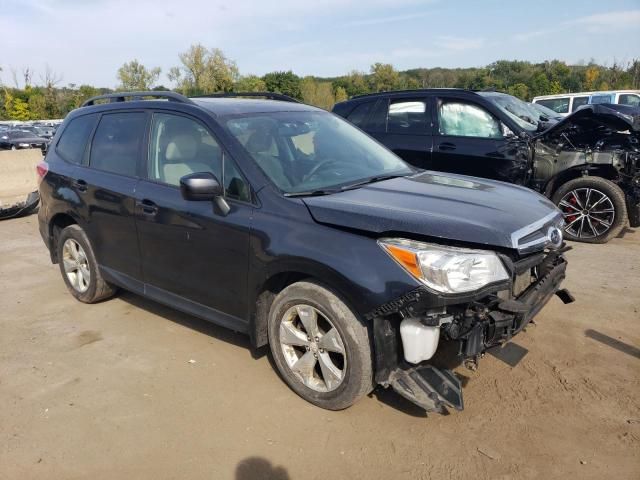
x: 467, y: 120
x: 180, y: 146
x: 117, y: 142
x: 578, y: 102
x: 629, y: 99
x: 408, y: 117
x: 73, y: 141
x: 312, y: 151
x: 558, y: 105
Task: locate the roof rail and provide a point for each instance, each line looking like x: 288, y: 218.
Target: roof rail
x: 267, y: 95
x: 122, y: 97
x: 411, y: 90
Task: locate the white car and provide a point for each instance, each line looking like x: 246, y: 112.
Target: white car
x: 566, y: 103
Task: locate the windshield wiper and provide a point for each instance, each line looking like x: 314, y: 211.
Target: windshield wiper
x: 378, y: 178
x: 311, y: 193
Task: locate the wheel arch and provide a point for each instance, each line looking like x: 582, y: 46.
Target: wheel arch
x: 608, y: 172
x: 285, y: 275
x: 58, y: 222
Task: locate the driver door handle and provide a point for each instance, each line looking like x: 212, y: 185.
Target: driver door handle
x: 446, y: 146
x: 147, y: 207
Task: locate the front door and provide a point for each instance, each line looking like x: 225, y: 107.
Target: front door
x: 471, y: 141
x: 191, y: 252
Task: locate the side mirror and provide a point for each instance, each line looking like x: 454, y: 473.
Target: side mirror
x: 203, y: 186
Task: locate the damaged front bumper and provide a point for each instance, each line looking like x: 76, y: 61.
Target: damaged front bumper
x: 475, y: 325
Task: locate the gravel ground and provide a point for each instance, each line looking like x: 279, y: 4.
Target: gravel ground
x: 131, y: 389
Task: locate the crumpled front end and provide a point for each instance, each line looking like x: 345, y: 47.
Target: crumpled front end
x: 410, y: 335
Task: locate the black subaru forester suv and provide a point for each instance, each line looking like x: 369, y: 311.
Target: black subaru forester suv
x: 284, y: 222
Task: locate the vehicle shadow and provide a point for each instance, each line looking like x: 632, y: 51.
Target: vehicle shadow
x: 613, y: 343
x: 258, y: 468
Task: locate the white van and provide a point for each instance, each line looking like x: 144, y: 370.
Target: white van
x: 566, y: 103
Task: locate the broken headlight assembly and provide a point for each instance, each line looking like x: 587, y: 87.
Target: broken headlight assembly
x: 449, y: 270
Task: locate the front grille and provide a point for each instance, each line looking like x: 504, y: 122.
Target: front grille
x: 535, y: 237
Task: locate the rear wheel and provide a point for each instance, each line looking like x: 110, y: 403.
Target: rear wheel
x: 79, y: 267
x: 594, y: 209
x: 320, y: 348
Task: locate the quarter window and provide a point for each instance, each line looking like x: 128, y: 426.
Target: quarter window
x: 180, y: 146
x: 73, y: 141
x: 558, y: 105
x: 407, y: 116
x: 235, y: 186
x: 467, y: 120
x: 360, y: 113
x: 629, y: 99
x: 117, y: 142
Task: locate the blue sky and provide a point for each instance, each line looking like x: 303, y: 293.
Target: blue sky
x: 85, y: 41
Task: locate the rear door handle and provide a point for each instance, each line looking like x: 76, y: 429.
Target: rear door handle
x: 81, y: 185
x: 147, y: 207
x: 447, y: 146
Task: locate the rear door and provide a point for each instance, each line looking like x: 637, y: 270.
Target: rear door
x: 469, y: 140
x: 403, y: 125
x: 106, y: 187
x: 192, y: 254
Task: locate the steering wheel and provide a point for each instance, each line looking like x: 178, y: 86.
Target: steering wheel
x: 322, y: 165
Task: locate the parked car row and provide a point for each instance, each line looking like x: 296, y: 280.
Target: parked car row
x: 287, y: 223
x: 566, y: 103
x: 587, y: 163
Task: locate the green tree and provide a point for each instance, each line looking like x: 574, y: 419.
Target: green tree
x: 384, y: 77
x: 287, y: 83
x: 341, y: 95
x: 204, y: 71
x: 250, y: 83
x: 135, y: 76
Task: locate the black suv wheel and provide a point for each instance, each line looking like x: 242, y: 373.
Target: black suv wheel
x: 594, y: 209
x: 321, y: 349
x: 79, y: 267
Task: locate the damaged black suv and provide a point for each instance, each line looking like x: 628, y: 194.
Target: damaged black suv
x: 588, y: 163
x: 286, y: 223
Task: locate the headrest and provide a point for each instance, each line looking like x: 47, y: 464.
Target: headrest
x: 260, y: 140
x: 182, y: 148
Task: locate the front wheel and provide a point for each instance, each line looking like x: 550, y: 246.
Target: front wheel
x: 320, y: 348
x: 594, y: 209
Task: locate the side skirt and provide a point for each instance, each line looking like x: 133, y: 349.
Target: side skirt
x: 175, y: 301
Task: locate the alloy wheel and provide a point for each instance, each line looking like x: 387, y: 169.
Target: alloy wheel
x: 588, y: 212
x: 76, y: 265
x: 313, y: 348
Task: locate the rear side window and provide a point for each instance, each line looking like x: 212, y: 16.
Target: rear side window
x: 629, y: 99
x: 408, y: 117
x: 117, y: 142
x: 558, y: 105
x: 466, y: 120
x: 73, y: 141
x: 360, y: 113
x: 578, y: 102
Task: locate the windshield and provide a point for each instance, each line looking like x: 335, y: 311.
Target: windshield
x: 524, y: 115
x: 546, y: 111
x: 313, y: 151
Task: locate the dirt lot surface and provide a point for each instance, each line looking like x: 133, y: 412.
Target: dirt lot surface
x: 130, y: 389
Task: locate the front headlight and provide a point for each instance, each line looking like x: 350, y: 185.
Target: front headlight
x: 446, y: 269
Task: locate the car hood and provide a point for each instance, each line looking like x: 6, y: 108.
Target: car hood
x: 446, y: 206
x: 598, y: 117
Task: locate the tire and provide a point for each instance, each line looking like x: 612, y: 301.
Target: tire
x: 321, y: 387
x: 13, y: 147
x: 96, y: 288
x: 594, y: 209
